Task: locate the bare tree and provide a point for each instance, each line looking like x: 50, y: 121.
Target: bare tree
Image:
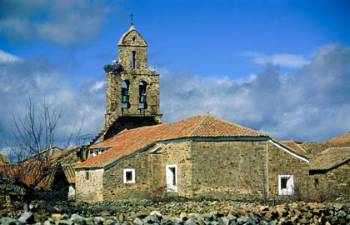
x: 34, y: 137
x: 35, y: 132
x: 34, y: 141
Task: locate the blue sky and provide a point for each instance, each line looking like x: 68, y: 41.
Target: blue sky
x: 202, y: 37
x: 216, y: 49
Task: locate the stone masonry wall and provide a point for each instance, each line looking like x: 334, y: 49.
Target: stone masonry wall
x: 178, y: 154
x: 130, y: 42
x: 331, y: 184
x: 229, y: 169
x: 133, y: 41
x: 282, y: 163
x: 214, y: 169
x: 114, y: 186
x: 113, y: 99
x: 124, y: 58
x: 89, y: 185
x: 150, y: 172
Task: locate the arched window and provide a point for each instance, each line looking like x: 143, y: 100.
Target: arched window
x: 142, y: 95
x: 125, y: 95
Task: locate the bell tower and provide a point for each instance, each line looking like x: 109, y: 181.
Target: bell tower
x: 132, y: 89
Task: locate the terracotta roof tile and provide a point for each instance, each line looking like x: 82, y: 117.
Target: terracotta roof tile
x: 295, y: 147
x: 315, y: 148
x: 29, y: 170
x: 132, y: 140
x: 26, y: 173
x: 345, y: 138
x: 330, y: 158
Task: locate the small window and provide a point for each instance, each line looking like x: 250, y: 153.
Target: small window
x: 133, y: 60
x: 129, y: 176
x: 285, y: 185
x: 284, y: 181
x: 87, y: 175
x: 173, y: 173
x: 316, y: 183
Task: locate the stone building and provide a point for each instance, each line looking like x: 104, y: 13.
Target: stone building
x: 198, y: 156
x: 62, y: 178
x: 132, y: 88
x: 330, y: 174
x: 329, y: 167
x: 56, y: 179
x: 135, y: 156
x: 314, y: 148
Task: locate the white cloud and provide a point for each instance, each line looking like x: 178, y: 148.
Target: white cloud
x: 60, y: 22
x: 312, y: 103
x: 288, y: 60
x: 6, y: 57
x: 82, y: 110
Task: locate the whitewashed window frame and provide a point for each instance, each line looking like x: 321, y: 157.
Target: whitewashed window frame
x: 169, y: 186
x: 290, y: 185
x: 133, y: 175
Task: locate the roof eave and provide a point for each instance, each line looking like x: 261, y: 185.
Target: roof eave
x: 196, y: 138
x: 302, y: 157
x: 333, y: 166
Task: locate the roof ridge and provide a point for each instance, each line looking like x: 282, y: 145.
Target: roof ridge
x: 236, y: 124
x: 126, y: 131
x: 203, y: 125
x: 199, y: 124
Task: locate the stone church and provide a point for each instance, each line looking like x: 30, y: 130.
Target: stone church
x: 135, y: 156
x: 132, y: 88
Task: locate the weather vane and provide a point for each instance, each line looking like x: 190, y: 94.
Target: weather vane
x: 132, y: 19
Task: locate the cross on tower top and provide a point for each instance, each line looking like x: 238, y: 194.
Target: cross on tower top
x: 132, y: 19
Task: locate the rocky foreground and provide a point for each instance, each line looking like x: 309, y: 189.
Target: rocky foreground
x: 186, y: 213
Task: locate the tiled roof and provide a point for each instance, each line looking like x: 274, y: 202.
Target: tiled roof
x: 330, y: 158
x: 345, y: 138
x: 30, y: 171
x: 315, y: 148
x: 295, y: 147
x: 129, y: 141
x: 26, y: 173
